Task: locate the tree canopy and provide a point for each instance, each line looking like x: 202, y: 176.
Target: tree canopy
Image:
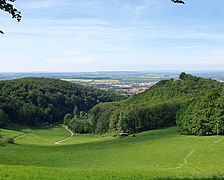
x: 194, y: 103
x: 32, y: 101
x: 204, y: 115
x: 6, y: 5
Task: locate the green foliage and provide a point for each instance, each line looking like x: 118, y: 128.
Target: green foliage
x: 76, y: 111
x: 8, y: 7
x: 3, y: 118
x: 102, y: 115
x: 183, y: 76
x: 204, y: 115
x: 9, y: 140
x: 31, y: 101
x: 137, y: 119
x: 1, y: 139
x: 155, y: 108
x: 67, y: 118
x: 79, y: 122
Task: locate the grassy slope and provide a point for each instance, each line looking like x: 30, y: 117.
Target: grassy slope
x: 152, y: 154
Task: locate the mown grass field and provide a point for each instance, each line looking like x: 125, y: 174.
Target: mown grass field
x: 157, y: 154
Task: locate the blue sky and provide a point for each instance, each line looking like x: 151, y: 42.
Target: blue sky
x: 99, y: 35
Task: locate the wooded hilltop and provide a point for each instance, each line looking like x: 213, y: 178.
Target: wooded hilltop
x: 195, y: 104
x: 32, y: 101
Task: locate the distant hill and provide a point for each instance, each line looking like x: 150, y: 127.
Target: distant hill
x: 32, y: 101
x: 162, y: 105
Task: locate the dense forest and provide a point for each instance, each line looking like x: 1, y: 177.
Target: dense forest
x: 195, y: 104
x: 203, y: 115
x: 32, y: 101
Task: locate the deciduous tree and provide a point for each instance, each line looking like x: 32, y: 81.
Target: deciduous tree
x: 6, y: 5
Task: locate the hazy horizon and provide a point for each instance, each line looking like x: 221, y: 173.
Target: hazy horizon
x: 101, y: 71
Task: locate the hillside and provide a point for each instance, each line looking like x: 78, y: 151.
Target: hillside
x: 155, y: 108
x: 32, y: 101
x: 156, y: 154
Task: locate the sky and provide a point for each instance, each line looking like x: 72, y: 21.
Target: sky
x: 113, y: 35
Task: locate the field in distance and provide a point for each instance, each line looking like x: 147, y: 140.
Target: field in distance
x: 156, y: 154
x: 122, y: 85
x: 126, y: 79
x: 91, y: 80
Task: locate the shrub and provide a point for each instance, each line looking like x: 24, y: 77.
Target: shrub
x: 9, y: 140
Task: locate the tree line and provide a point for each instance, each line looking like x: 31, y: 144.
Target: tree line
x: 195, y: 104
x: 32, y: 101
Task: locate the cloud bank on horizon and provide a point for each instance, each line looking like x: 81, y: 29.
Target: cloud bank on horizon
x: 95, y: 35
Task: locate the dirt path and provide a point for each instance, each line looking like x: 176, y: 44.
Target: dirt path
x: 65, y: 139
x: 185, y: 159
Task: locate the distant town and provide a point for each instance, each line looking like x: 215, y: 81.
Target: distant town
x: 126, y: 88
x: 123, y: 82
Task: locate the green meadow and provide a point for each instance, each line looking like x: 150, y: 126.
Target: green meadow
x: 156, y: 154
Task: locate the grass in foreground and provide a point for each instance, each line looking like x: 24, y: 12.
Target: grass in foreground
x: 151, y: 155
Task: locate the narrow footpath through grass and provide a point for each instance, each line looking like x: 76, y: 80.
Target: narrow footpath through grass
x: 65, y: 139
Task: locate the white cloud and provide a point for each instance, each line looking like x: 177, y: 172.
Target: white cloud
x: 72, y: 53
x: 71, y: 60
x: 71, y: 57
x: 105, y: 34
x: 138, y: 9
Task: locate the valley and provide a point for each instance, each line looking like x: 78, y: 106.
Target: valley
x: 172, y: 127
x: 156, y: 154
x: 111, y: 90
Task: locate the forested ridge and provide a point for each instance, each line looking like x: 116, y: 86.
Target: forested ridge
x: 194, y: 103
x: 32, y: 101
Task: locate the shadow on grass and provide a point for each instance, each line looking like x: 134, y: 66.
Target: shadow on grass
x: 29, y: 129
